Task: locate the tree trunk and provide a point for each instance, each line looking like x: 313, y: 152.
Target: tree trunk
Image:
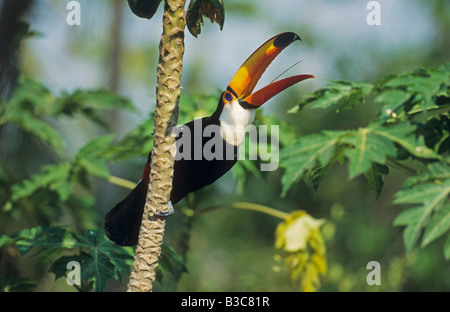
x: 168, y: 88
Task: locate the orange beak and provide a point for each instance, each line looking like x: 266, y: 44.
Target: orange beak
x: 250, y: 72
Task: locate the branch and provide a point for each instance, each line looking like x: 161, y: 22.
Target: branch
x: 169, y: 71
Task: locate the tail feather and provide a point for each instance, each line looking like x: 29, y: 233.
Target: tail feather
x: 122, y: 223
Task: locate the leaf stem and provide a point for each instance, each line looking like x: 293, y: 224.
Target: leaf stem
x: 121, y: 182
x: 246, y: 206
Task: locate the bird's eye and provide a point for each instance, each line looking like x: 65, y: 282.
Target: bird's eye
x: 228, y: 97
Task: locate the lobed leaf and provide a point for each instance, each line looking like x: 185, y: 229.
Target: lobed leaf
x: 429, y: 193
x: 416, y: 92
x: 439, y: 224
x: 53, y: 177
x: 367, y: 148
x: 375, y: 177
x: 213, y: 9
x: 447, y: 248
x: 304, y: 155
x: 341, y: 94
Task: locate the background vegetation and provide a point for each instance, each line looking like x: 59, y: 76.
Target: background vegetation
x: 364, y: 162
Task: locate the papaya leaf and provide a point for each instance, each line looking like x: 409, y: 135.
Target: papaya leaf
x: 91, y: 157
x: 424, y: 84
x: 403, y: 135
x: 16, y: 283
x: 170, y: 261
x: 395, y: 102
x: 340, y: 94
x: 90, y: 103
x: 99, y: 258
x: 32, y: 106
x: 53, y: 177
x: 429, y: 193
x: 137, y: 143
x: 34, y: 125
x: 447, y: 248
x: 414, y: 93
x: 439, y: 224
x: 102, y: 260
x: 212, y: 9
x: 368, y: 148
x: 303, y: 155
x: 375, y: 177
x: 437, y: 171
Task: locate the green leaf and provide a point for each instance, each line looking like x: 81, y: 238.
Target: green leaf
x: 411, y: 218
x: 170, y: 261
x: 430, y: 196
x: 55, y: 237
x: 100, y: 260
x: 97, y: 268
x: 33, y: 125
x: 32, y: 97
x: 94, y: 166
x: 50, y: 241
x: 342, y: 94
x: 425, y: 84
x: 53, y: 177
x: 304, y: 154
x: 408, y: 216
x: 90, y: 103
x: 403, y: 135
x: 59, y: 266
x: 28, y: 108
x: 96, y: 241
x: 374, y: 177
x: 412, y: 93
x: 447, y: 248
x: 368, y: 148
x: 92, y: 156
x: 137, y: 143
x: 437, y: 171
x: 32, y: 106
x: 16, y: 283
x: 95, y: 147
x: 393, y: 101
x: 439, y: 224
x: 212, y: 9
x: 423, y: 193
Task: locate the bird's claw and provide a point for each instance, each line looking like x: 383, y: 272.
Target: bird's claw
x: 168, y: 213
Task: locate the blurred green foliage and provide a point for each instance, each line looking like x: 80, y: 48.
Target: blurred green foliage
x: 378, y: 175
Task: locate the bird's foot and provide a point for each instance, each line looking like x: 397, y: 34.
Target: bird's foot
x: 167, y: 213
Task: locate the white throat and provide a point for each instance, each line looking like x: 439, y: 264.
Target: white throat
x: 234, y: 121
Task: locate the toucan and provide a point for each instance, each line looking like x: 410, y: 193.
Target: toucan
x: 235, y: 110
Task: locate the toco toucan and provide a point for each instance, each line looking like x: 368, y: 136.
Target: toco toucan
x: 235, y: 111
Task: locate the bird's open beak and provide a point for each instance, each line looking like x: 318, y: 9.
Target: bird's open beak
x: 250, y: 72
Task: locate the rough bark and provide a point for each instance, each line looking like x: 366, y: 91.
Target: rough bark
x: 168, y: 89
